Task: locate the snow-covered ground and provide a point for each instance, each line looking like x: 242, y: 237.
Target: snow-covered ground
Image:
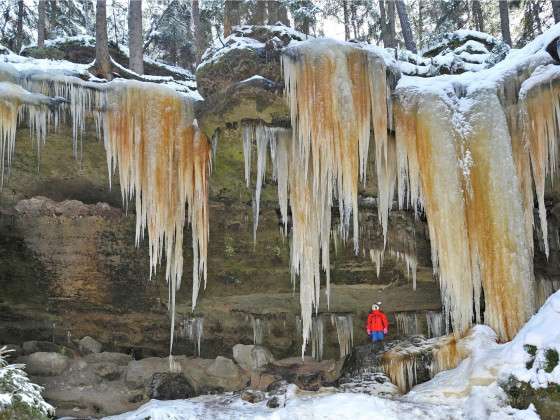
x: 470, y: 391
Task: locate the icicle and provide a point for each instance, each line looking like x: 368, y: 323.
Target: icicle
x: 345, y: 333
x: 192, y: 329
x: 163, y: 162
x: 259, y: 327
x: 407, y: 323
x: 317, y: 337
x: 263, y: 136
x: 248, y: 134
x: 332, y: 95
x: 436, y: 324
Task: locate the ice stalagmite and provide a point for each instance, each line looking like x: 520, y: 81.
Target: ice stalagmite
x: 163, y: 163
x: 331, y: 101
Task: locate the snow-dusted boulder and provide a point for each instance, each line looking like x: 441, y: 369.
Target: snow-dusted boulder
x: 252, y: 357
x: 454, y: 53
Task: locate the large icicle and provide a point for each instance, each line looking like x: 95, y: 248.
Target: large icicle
x: 332, y: 96
x: 163, y: 162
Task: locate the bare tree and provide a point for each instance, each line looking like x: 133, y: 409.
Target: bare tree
x: 135, y: 38
x: 277, y: 12
x: 41, y: 21
x: 232, y: 16
x: 504, y: 21
x: 405, y: 26
x: 19, y: 25
x: 556, y: 10
x: 477, y: 16
x: 102, y: 57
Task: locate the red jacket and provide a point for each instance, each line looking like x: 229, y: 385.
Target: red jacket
x: 377, y: 321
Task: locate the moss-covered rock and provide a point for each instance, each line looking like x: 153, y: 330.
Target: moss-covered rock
x: 545, y: 400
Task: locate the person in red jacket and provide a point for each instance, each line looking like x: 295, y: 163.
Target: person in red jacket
x: 377, y: 324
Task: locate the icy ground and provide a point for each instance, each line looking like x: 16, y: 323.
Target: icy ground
x: 470, y: 391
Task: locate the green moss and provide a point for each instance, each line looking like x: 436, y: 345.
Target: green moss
x: 545, y: 400
x: 532, y: 350
x: 551, y: 357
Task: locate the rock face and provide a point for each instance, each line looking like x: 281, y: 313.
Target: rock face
x: 243, y: 78
x: 251, y: 357
x: 69, y: 267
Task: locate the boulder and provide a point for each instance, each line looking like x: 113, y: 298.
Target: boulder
x: 252, y: 357
x: 119, y: 359
x: 252, y: 396
x: 46, y: 364
x: 139, y: 372
x: 225, y: 374
x: 170, y: 386
x: 89, y: 345
x: 35, y: 346
x: 274, y: 402
x: 108, y: 371
x: 307, y: 374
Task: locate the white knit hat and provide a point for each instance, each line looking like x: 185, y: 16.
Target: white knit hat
x: 375, y: 306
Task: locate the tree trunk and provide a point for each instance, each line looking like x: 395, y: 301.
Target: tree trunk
x: 383, y: 22
x: 42, y: 18
x: 420, y: 25
x: 405, y: 26
x: 556, y: 10
x: 231, y: 16
x: 391, y: 33
x: 504, y: 21
x: 102, y: 57
x: 346, y: 20
x: 19, y: 26
x: 282, y: 14
x: 477, y: 16
x: 202, y: 31
x: 259, y: 17
x: 135, y: 37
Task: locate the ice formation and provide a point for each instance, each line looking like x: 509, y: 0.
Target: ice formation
x: 459, y: 152
x: 407, y: 323
x: 259, y: 329
x: 344, y: 332
x: 436, y: 324
x: 150, y: 136
x: 193, y: 329
x: 163, y: 162
x: 317, y: 337
x: 332, y: 99
x: 409, y: 259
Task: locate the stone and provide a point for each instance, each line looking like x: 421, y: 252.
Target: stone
x: 224, y: 373
x: 89, y: 345
x: 139, y: 372
x: 252, y: 396
x: 35, y: 346
x: 170, y: 386
x: 262, y: 381
x: 274, y: 402
x: 108, y: 371
x: 119, y: 359
x: 223, y: 367
x: 252, y: 357
x: 46, y: 364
